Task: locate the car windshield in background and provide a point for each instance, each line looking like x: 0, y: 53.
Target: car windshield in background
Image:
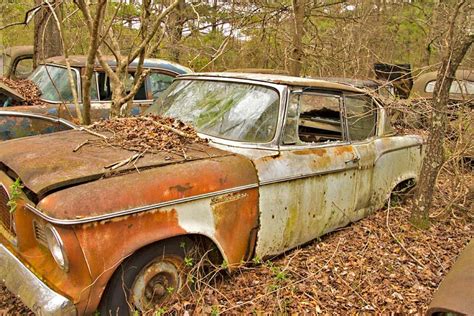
x: 54, y: 83
x: 457, y: 86
x: 229, y: 110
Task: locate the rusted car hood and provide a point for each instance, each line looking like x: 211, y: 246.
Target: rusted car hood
x: 47, y: 163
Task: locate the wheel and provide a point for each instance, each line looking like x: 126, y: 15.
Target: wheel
x: 146, y: 279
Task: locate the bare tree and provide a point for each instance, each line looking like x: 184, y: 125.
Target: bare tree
x: 95, y: 24
x: 298, y: 33
x: 175, y: 27
x: 150, y: 24
x: 47, y: 41
x: 456, y: 43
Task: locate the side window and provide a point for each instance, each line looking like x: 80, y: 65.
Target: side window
x: 105, y: 90
x: 23, y: 68
x: 159, y: 83
x: 313, y: 118
x: 361, y: 116
x: 18, y: 126
x: 458, y: 86
x: 93, y: 90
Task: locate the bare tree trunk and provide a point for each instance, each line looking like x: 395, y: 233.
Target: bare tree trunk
x: 47, y: 41
x: 298, y: 32
x: 455, y: 49
x: 94, y: 42
x: 176, y: 23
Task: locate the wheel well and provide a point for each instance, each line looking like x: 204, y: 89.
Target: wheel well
x: 402, y: 188
x: 201, y: 246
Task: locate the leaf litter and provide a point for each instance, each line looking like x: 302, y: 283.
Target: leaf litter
x: 27, y: 88
x: 143, y: 135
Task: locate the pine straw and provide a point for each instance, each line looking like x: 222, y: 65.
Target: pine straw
x: 27, y: 88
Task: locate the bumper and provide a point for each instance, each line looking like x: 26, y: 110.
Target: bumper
x: 30, y: 289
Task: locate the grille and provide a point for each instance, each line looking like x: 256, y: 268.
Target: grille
x: 6, y: 217
x: 40, y: 235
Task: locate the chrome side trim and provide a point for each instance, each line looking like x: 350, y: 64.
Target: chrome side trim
x: 136, y: 209
x: 35, y: 294
x: 309, y: 175
x: 39, y: 116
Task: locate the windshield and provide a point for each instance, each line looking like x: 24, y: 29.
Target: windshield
x: 458, y: 86
x: 53, y: 82
x: 230, y: 110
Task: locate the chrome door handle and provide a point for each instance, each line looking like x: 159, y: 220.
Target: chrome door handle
x: 354, y: 159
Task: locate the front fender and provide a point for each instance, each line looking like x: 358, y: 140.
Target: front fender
x: 227, y: 219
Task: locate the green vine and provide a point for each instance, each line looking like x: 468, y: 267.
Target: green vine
x: 15, y: 189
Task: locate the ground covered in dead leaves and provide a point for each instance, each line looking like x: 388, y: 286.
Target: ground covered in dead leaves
x: 359, y: 268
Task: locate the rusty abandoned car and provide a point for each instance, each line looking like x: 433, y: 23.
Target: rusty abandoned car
x: 22, y: 124
x: 57, y: 97
x: 17, y: 62
x: 454, y: 294
x: 288, y: 159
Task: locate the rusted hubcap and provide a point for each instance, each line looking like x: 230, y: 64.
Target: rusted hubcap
x: 156, y: 282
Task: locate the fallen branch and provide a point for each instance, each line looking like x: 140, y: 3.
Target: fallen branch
x: 124, y: 162
x: 174, y: 130
x: 92, y: 132
x: 398, y: 242
x: 80, y: 145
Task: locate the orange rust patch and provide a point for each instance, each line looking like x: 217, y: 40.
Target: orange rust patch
x: 322, y: 162
x: 132, y: 232
x: 343, y: 149
x: 73, y: 283
x: 234, y: 216
x: 317, y: 151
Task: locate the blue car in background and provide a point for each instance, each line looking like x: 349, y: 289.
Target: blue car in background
x: 56, y: 95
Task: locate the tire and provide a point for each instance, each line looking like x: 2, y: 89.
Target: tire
x: 147, y: 278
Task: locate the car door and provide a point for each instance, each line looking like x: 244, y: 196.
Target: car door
x: 310, y: 187
x: 361, y: 117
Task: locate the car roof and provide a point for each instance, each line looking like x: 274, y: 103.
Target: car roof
x: 422, y: 80
x: 461, y: 74
x: 358, y: 83
x: 80, y: 61
x: 280, y: 79
x: 14, y: 51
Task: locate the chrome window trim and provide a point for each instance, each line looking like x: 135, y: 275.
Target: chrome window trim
x: 137, y: 209
x: 343, y: 142
x: 39, y: 116
x: 281, y: 90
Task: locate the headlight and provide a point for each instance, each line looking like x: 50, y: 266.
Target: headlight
x: 55, y: 245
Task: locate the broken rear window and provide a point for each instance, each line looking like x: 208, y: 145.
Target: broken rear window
x: 229, y: 110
